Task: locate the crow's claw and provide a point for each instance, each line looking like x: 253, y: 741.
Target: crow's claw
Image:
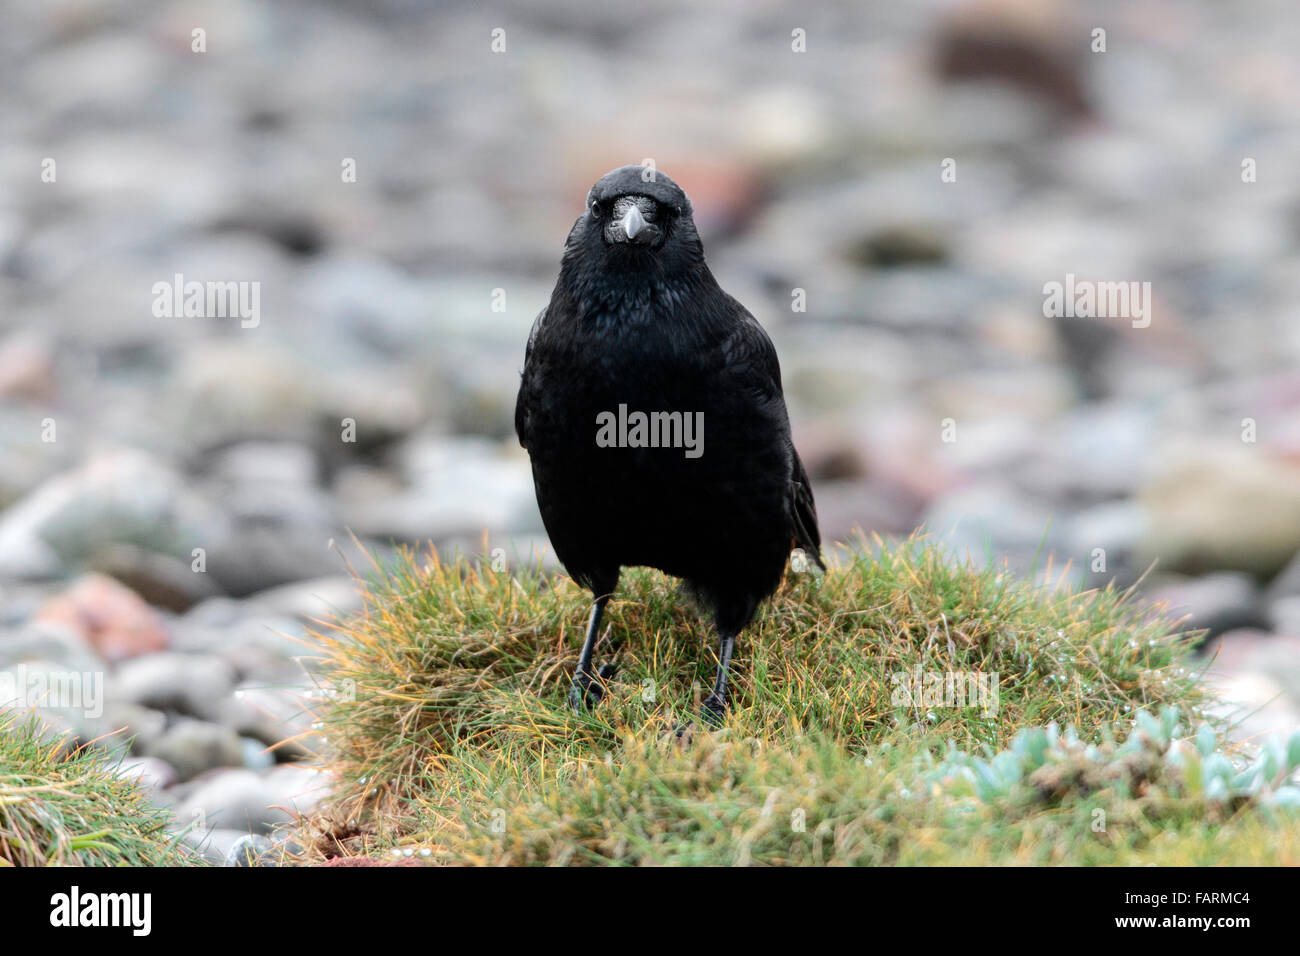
x: 588, y: 691
x: 585, y: 693
x: 713, y: 710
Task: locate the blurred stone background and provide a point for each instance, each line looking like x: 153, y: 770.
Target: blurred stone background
x: 817, y: 171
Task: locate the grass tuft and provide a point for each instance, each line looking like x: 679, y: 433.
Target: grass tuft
x: 446, y: 716
x: 61, y: 808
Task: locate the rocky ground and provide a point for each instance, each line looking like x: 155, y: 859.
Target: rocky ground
x: 180, y: 496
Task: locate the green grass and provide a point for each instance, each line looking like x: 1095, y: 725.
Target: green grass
x: 450, y: 736
x: 61, y: 808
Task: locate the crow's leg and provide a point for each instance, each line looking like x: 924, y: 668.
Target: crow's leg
x: 714, y: 707
x: 587, y: 690
x: 731, y: 613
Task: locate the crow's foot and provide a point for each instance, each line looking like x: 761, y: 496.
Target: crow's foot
x: 588, y: 691
x: 712, y: 711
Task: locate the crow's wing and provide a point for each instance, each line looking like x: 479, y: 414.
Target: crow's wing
x: 521, y: 401
x: 750, y: 356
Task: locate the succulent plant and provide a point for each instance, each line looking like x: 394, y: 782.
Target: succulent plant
x: 1056, y: 765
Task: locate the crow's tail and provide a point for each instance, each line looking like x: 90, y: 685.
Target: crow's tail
x: 807, y: 535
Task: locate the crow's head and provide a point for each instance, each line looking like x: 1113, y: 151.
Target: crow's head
x: 636, y: 214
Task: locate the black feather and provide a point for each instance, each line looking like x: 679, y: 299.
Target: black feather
x: 644, y: 324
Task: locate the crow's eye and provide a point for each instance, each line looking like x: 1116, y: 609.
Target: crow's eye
x: 595, y: 208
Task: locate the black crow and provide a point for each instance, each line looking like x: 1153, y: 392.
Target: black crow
x: 652, y: 412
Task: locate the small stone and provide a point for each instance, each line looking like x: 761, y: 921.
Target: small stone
x: 1287, y: 582
x: 118, y: 497
x: 252, y: 849
x: 27, y: 369
x: 215, y: 845
x: 266, y: 648
x: 193, y: 684
x: 150, y: 773
x: 109, y: 616
x: 256, y: 754
x: 298, y: 789
x: 1215, y: 603
x: 1222, y: 508
x: 193, y: 746
x: 1284, y: 614
x: 271, y: 716
x: 216, y: 612
x: 49, y: 641
x: 233, y: 798
x: 1022, y: 43
x: 320, y: 599
x: 900, y: 244
x: 163, y: 580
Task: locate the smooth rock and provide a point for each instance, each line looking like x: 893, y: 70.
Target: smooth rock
x: 109, y: 616
x: 214, y: 845
x: 256, y: 754
x: 267, y: 648
x: 1218, y: 602
x: 299, y: 789
x: 27, y: 370
x: 1284, y: 614
x: 454, y: 486
x: 149, y: 773
x: 1103, y: 540
x: 252, y: 849
x: 1287, y: 582
x: 163, y: 580
x: 193, y: 746
x: 118, y: 497
x: 1022, y: 43
x: 1222, y: 507
x: 233, y: 799
x: 49, y: 641
x: 193, y: 684
x: 274, y: 715
x: 320, y: 599
x: 215, y: 612
x: 238, y: 390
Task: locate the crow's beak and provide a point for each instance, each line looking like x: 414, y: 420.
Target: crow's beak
x: 633, y: 222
